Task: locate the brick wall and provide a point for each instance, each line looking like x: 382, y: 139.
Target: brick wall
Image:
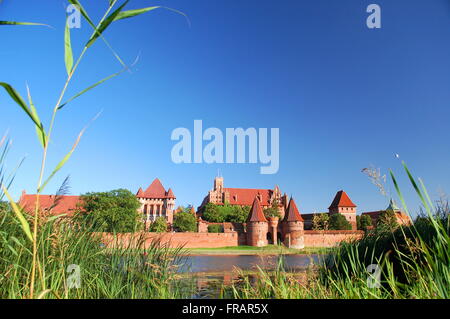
x: 312, y: 238
x: 188, y: 240
x: 329, y: 238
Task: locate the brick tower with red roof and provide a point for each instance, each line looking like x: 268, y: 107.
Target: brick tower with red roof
x: 257, y: 226
x: 293, y: 227
x: 342, y: 204
x: 156, y: 202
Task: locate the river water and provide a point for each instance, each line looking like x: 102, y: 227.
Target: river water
x: 227, y: 263
x: 209, y: 272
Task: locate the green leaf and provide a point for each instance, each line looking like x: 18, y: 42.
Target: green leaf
x: 90, y: 88
x: 68, y: 55
x: 88, y: 19
x: 18, y: 99
x: 42, y: 137
x: 132, y: 13
x: 22, y: 220
x: 63, y: 161
x: 21, y: 23
x: 105, y: 24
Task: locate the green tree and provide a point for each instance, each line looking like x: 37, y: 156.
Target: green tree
x: 159, y: 225
x: 339, y: 222
x: 272, y: 211
x: 320, y: 221
x: 213, y: 213
x: 113, y: 211
x: 215, y: 228
x: 239, y: 214
x: 185, y: 222
x: 363, y: 222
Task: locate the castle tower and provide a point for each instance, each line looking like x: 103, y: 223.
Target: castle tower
x: 156, y: 202
x: 257, y: 226
x: 342, y: 204
x: 218, y: 184
x: 293, y: 227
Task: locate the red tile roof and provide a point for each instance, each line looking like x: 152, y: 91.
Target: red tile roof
x: 246, y: 196
x: 63, y: 204
x: 341, y: 200
x: 170, y: 193
x: 155, y: 190
x: 292, y: 213
x: 256, y: 213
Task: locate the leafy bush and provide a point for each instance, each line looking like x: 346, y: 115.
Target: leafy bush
x: 185, y: 222
x: 238, y: 214
x: 213, y: 214
x: 159, y: 225
x: 113, y: 211
x: 320, y: 221
x: 225, y: 213
x: 271, y: 212
x: 216, y: 228
x: 363, y: 222
x: 339, y: 222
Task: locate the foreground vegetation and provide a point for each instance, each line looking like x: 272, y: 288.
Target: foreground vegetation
x: 405, y: 262
x: 67, y: 253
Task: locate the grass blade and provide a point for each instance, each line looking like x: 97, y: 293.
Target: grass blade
x: 133, y: 13
x: 16, y: 209
x: 67, y: 157
x: 22, y: 23
x: 88, y: 19
x: 68, y: 55
x: 18, y: 99
x: 105, y: 24
x: 399, y: 193
x: 90, y: 88
x: 63, y: 161
x: 42, y: 137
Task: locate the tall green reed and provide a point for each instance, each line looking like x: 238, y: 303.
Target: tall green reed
x: 112, y: 14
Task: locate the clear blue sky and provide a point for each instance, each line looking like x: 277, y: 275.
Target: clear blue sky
x: 343, y: 96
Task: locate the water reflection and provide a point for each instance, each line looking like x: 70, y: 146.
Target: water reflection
x: 208, y: 273
x: 226, y: 263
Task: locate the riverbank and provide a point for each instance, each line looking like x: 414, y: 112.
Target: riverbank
x: 251, y: 250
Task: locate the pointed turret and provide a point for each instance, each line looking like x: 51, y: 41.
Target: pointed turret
x: 170, y: 194
x: 140, y: 192
x: 257, y: 226
x: 292, y: 213
x: 256, y: 213
x: 392, y: 206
